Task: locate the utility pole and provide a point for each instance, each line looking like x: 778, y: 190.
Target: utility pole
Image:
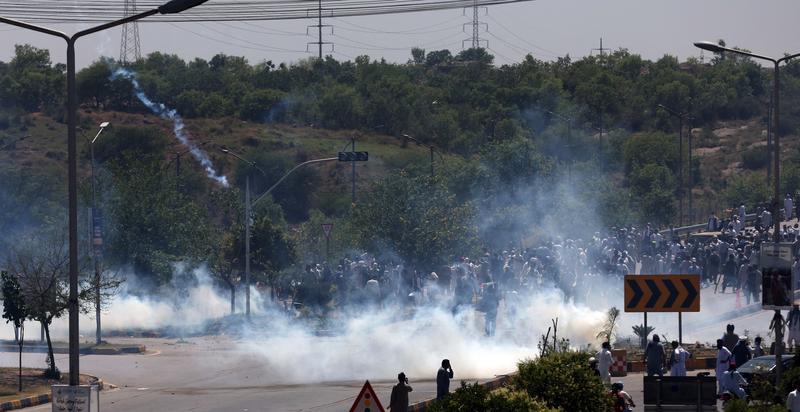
x: 319, y: 27
x: 247, y: 223
x: 353, y: 148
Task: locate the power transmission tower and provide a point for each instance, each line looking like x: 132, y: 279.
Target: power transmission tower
x: 601, y: 49
x: 130, y: 49
x: 476, y: 26
x: 319, y: 27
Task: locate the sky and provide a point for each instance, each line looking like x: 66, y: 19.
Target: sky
x: 545, y: 28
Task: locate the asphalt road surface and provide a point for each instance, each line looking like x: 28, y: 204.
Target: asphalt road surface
x: 207, y: 375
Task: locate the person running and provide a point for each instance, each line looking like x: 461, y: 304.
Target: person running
x: 399, y: 398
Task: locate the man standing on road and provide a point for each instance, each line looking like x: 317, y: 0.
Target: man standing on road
x: 399, y: 399
x: 654, y: 357
x: 729, y: 339
x: 678, y: 359
x: 788, y: 206
x: 604, y: 361
x: 741, y: 352
x: 793, y: 321
x: 443, y: 379
x: 723, y: 363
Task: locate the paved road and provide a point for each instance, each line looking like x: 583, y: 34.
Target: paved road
x: 206, y: 375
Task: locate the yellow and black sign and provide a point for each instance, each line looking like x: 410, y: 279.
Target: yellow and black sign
x: 662, y: 293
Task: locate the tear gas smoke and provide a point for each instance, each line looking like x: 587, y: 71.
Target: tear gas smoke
x: 178, y: 126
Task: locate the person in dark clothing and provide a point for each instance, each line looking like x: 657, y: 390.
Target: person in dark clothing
x: 399, y: 399
x: 729, y: 270
x: 654, y: 357
x: 730, y: 338
x: 443, y: 379
x: 741, y: 352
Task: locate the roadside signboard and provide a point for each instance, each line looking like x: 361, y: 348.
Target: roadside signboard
x: 662, y: 293
x: 776, y: 276
x: 83, y: 398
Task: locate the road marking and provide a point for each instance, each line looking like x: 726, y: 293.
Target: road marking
x: 156, y: 353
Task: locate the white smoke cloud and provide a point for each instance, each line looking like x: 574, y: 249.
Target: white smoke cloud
x: 178, y: 126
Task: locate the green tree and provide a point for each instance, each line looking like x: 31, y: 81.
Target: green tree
x: 14, y: 311
x: 256, y: 105
x: 417, y: 218
x: 557, y: 377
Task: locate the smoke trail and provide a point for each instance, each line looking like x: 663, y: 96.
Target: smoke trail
x: 166, y: 113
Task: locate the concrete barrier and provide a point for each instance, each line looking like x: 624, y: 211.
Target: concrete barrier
x: 682, y: 392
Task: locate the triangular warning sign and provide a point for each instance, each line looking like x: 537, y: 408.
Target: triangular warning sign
x: 367, y: 401
x: 327, y: 227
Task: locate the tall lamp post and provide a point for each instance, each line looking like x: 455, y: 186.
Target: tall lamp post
x: 247, y: 225
x: 248, y: 205
x: 776, y: 130
x: 172, y: 7
x: 96, y: 248
x: 681, y: 117
x: 431, y: 147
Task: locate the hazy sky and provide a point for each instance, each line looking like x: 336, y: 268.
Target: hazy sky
x: 545, y: 28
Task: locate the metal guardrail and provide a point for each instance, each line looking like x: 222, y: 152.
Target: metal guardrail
x: 700, y: 227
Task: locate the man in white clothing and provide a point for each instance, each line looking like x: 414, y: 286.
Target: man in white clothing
x: 793, y: 400
x: 678, y: 360
x: 604, y: 361
x: 723, y: 363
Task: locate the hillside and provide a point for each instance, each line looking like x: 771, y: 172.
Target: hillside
x: 39, y: 144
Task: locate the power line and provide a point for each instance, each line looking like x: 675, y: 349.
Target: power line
x: 550, y: 52
x: 260, y: 48
x: 91, y: 11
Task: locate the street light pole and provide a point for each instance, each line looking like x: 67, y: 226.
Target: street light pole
x: 96, y: 253
x: 172, y: 7
x: 776, y: 216
x: 682, y: 185
x: 431, y: 147
x: 247, y: 223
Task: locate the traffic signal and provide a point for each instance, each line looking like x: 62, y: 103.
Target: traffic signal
x: 353, y: 156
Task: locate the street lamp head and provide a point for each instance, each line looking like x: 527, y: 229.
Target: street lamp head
x: 104, y: 125
x: 177, y: 6
x: 224, y: 150
x: 709, y: 46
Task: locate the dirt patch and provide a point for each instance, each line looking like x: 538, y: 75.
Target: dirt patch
x: 33, y: 383
x: 725, y: 132
x: 706, y: 151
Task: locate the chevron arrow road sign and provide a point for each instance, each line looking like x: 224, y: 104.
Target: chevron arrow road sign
x: 662, y: 293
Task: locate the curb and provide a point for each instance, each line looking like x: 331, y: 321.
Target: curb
x: 37, y: 399
x: 25, y: 402
x: 135, y: 349
x: 491, y: 385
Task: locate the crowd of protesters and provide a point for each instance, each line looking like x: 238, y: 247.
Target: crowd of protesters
x: 726, y: 256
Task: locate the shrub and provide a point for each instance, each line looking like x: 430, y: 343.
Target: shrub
x: 558, y: 377
x: 755, y: 158
x: 476, y: 398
